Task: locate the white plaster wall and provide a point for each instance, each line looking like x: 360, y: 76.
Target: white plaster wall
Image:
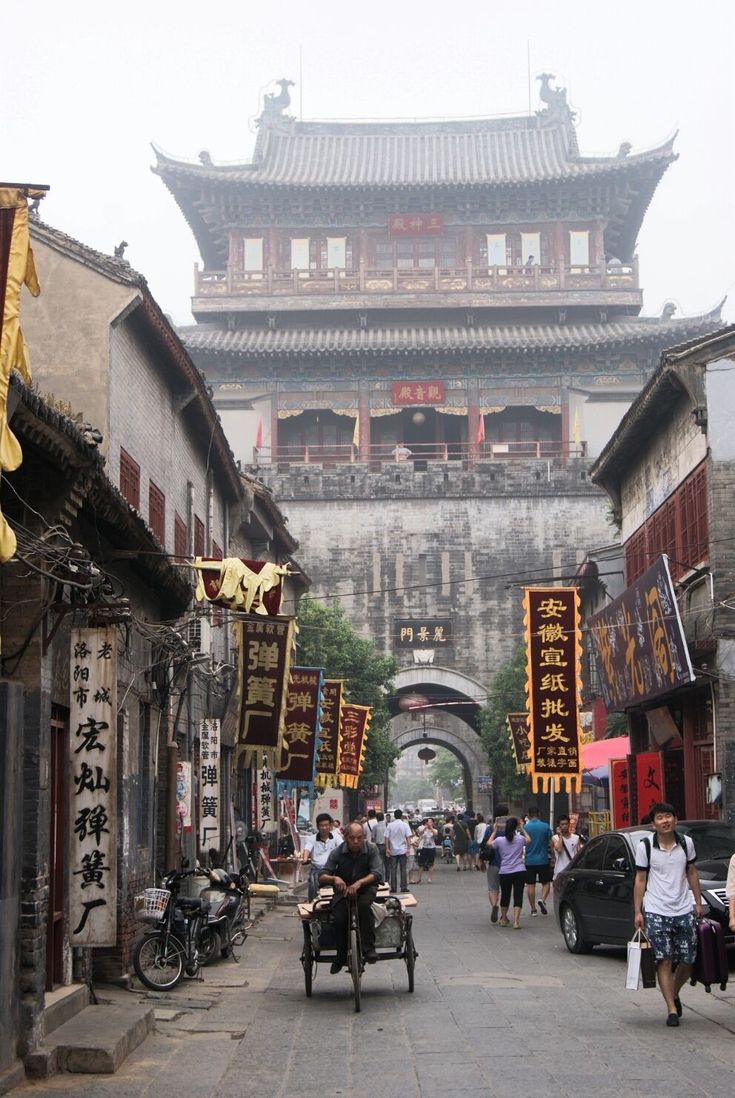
x: 721, y: 408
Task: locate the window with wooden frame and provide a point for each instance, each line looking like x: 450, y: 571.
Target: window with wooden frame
x: 130, y: 479
x: 157, y: 511
x: 679, y: 528
x: 414, y: 253
x: 198, y: 537
x: 181, y: 536
x: 216, y: 551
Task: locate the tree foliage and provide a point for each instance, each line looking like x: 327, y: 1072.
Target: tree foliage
x: 446, y: 771
x: 507, y: 695
x: 327, y: 639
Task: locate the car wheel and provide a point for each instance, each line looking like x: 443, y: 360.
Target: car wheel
x: 571, y: 928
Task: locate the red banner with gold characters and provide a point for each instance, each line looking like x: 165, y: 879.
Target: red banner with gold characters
x: 620, y: 799
x: 518, y: 729
x: 416, y: 224
x: 353, y: 736
x: 327, y: 763
x: 553, y: 652
x: 301, y: 727
x: 649, y: 781
x: 265, y: 665
x: 417, y: 392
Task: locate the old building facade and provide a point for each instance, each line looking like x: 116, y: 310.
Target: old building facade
x: 435, y: 325
x: 670, y: 475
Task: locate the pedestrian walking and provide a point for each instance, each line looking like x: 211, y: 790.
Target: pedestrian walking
x: 511, y: 845
x: 426, y: 852
x: 397, y: 836
x: 379, y: 840
x: 538, y: 863
x: 493, y: 863
x: 478, y: 835
x: 665, y: 873
x: 564, y: 844
x: 461, y: 842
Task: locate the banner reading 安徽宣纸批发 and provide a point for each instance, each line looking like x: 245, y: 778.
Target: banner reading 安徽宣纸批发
x: 553, y: 654
x: 327, y: 764
x: 353, y: 736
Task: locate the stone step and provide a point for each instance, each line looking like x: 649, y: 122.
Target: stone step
x: 62, y: 1004
x: 96, y: 1040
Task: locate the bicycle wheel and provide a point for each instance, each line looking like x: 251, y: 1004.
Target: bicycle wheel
x: 410, y: 956
x: 307, y: 960
x: 157, y: 967
x: 355, y: 966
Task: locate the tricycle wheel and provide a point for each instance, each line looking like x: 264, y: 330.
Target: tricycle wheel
x: 355, y: 966
x: 410, y: 957
x: 307, y: 960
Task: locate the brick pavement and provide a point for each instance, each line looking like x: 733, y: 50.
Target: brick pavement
x: 495, y: 1013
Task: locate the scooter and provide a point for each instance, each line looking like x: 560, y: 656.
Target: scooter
x: 227, y: 925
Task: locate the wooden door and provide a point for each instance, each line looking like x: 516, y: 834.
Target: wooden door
x: 57, y: 851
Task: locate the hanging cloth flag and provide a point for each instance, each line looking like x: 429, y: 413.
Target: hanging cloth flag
x: 301, y: 729
x: 250, y: 585
x: 481, y: 429
x: 356, y: 432
x: 553, y: 652
x: 518, y: 729
x: 16, y: 269
x: 327, y: 764
x: 576, y: 430
x: 353, y: 736
x: 264, y: 654
x: 259, y: 434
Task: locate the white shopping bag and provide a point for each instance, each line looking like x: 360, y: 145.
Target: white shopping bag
x: 633, y: 975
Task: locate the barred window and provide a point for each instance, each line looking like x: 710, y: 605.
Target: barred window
x: 157, y: 511
x: 130, y: 479
x: 679, y: 528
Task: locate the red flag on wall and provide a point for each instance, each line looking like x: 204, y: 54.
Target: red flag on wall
x: 259, y: 434
x: 481, y: 429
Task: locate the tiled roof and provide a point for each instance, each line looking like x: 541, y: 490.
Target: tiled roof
x: 306, y: 342
x: 494, y: 152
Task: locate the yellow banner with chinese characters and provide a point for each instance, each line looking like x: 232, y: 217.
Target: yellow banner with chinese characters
x: 16, y: 270
x: 355, y: 722
x: 553, y: 686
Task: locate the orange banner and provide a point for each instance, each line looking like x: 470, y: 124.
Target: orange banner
x: 553, y: 652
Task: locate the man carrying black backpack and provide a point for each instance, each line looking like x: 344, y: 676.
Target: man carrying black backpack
x: 665, y: 874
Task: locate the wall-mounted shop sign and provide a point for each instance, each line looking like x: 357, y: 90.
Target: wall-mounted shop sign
x: 422, y: 632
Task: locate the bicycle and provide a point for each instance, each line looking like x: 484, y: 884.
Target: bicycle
x: 162, y: 957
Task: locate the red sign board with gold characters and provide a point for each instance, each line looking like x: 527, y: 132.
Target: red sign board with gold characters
x: 417, y: 392
x: 353, y: 736
x: 301, y: 728
x: 265, y: 665
x: 415, y: 224
x: 327, y: 763
x: 620, y: 793
x: 553, y: 653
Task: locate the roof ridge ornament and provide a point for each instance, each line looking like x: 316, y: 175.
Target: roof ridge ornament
x: 555, y: 99
x: 274, y: 105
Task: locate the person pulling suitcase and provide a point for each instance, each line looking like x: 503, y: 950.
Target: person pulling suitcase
x: 665, y: 872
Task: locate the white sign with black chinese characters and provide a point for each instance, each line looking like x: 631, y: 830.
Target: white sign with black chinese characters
x: 266, y: 807
x: 93, y: 787
x: 209, y: 806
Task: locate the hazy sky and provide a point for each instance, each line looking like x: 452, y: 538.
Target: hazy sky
x: 87, y: 86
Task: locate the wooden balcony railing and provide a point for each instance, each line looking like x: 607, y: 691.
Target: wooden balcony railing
x: 381, y: 454
x: 273, y: 282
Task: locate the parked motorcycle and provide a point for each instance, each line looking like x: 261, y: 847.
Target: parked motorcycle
x: 227, y: 922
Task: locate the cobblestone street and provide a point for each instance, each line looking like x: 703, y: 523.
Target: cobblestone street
x: 495, y: 1012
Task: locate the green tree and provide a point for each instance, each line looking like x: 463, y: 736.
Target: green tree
x: 507, y: 695
x: 446, y: 771
x: 327, y: 639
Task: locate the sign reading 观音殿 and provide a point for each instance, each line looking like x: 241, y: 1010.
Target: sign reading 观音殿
x: 418, y: 392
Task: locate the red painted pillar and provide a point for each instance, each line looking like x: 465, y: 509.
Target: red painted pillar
x: 363, y: 404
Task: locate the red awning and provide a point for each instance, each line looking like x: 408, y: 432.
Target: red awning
x: 599, y: 752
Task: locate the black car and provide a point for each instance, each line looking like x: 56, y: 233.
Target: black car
x: 593, y: 897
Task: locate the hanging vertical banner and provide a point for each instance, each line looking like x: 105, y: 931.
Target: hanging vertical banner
x: 265, y: 665
x: 183, y: 797
x: 93, y: 790
x: 649, y: 781
x: 301, y: 729
x: 264, y: 797
x: 518, y: 730
x: 620, y: 793
x: 353, y: 736
x: 553, y: 653
x: 209, y: 784
x: 327, y: 765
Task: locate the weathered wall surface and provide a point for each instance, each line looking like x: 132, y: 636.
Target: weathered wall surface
x: 443, y: 543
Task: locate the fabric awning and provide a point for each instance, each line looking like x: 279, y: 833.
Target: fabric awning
x: 600, y: 752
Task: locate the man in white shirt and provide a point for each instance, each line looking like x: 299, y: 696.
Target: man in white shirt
x: 397, y: 835
x: 665, y: 874
x: 565, y: 845
x: 317, y: 849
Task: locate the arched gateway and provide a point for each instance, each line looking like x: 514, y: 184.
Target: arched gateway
x: 450, y: 720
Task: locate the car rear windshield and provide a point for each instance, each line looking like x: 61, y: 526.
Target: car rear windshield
x: 711, y: 840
